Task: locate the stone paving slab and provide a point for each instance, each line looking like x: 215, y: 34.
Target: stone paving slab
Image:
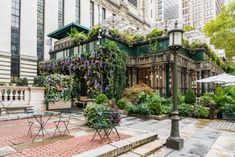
x: 225, y: 143
x: 205, y: 134
x: 7, y: 150
x: 219, y: 153
x: 195, y: 147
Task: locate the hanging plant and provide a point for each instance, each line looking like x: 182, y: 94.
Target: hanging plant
x: 152, y: 37
x: 104, y: 69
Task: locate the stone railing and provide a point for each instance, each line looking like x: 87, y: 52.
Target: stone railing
x: 20, y: 97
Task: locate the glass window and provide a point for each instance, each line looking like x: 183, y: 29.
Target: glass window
x: 103, y: 13
x: 134, y: 2
x: 60, y: 13
x: 78, y: 11
x: 40, y: 29
x: 92, y: 22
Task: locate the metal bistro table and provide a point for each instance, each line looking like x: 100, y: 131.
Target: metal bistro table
x: 42, y: 123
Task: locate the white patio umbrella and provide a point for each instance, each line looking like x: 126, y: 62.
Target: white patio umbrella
x: 219, y: 79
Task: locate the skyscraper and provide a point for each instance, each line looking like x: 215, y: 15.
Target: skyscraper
x: 196, y: 13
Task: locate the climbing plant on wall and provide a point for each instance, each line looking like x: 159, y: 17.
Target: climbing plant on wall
x: 104, y: 69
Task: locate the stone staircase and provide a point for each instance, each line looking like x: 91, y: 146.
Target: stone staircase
x: 144, y: 150
x: 132, y: 145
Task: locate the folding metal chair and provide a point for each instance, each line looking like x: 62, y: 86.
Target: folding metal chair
x: 114, y: 118
x: 101, y: 124
x: 64, y: 119
x: 30, y: 122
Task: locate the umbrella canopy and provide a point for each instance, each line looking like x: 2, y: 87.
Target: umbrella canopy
x: 219, y: 79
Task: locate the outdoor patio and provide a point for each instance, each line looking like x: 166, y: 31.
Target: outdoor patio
x: 15, y: 141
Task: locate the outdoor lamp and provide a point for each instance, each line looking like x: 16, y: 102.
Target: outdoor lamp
x: 174, y: 141
x: 175, y: 38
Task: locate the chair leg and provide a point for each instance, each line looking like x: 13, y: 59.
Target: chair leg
x: 30, y: 129
x: 66, y: 127
x: 57, y: 128
x: 116, y: 131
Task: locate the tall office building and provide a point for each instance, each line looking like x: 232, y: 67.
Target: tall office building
x: 25, y: 24
x: 197, y: 13
x: 168, y: 9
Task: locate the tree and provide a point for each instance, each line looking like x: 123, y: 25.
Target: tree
x: 221, y: 30
x: 188, y: 28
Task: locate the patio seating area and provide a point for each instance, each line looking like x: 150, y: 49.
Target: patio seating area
x: 49, y: 134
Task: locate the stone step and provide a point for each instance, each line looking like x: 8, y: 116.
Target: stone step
x: 144, y: 150
x: 120, y: 147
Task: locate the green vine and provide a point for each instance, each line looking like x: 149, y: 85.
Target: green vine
x: 152, y: 37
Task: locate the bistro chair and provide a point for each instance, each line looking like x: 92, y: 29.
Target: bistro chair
x: 114, y: 119
x: 64, y: 119
x: 30, y: 121
x: 101, y: 125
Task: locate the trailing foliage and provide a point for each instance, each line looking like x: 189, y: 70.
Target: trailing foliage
x: 104, y: 69
x: 58, y: 87
x: 94, y: 32
x: 77, y: 37
x: 152, y: 37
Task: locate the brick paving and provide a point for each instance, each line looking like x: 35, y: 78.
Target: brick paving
x: 14, y: 133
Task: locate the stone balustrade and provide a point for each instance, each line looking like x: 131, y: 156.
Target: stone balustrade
x: 17, y: 97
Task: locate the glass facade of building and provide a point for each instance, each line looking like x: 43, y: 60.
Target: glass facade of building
x: 40, y: 29
x: 15, y: 39
x: 60, y: 13
x: 78, y: 11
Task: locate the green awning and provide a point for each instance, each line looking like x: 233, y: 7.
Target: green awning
x: 64, y: 31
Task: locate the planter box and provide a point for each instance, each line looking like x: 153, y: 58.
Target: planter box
x: 59, y: 105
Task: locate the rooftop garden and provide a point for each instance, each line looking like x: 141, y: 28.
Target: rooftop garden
x: 137, y: 44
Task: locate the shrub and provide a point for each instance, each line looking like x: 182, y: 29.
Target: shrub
x: 122, y: 103
x: 101, y: 98
x: 185, y: 109
x: 142, y: 97
x: 22, y: 82
x: 166, y: 106
x: 228, y: 108
x: 154, y: 103
x: 200, y: 111
x: 143, y: 110
x: 131, y: 109
x: 132, y: 93
x: 39, y: 81
x: 207, y: 99
x: 91, y: 111
x: 190, y: 98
